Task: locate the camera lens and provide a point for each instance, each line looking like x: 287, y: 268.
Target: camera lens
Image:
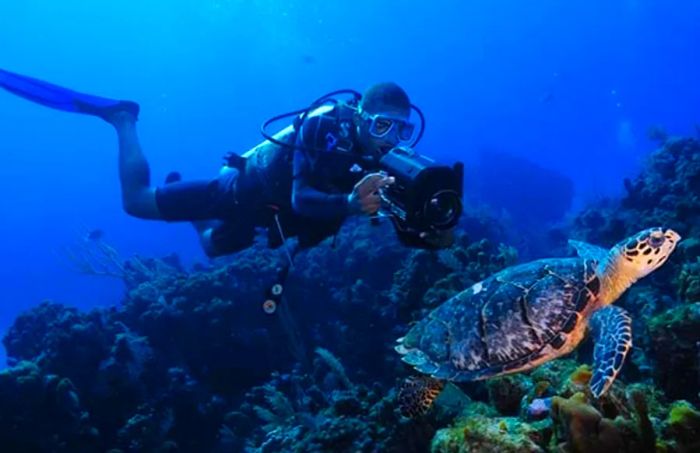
x: 443, y: 209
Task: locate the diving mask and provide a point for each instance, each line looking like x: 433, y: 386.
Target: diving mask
x: 381, y: 125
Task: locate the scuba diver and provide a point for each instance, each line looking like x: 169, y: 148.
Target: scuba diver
x: 302, y: 182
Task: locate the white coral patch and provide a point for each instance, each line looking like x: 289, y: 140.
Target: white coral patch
x: 477, y: 288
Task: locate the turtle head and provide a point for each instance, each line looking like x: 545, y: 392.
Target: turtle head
x: 635, y: 258
x: 646, y: 251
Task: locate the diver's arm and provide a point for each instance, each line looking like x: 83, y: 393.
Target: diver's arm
x: 364, y: 198
x: 309, y: 201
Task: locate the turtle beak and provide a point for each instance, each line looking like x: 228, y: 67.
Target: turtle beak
x: 672, y: 236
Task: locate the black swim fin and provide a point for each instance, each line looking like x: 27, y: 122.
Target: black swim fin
x: 60, y: 98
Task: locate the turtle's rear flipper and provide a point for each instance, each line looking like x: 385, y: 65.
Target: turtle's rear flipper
x: 417, y: 395
x: 612, y: 333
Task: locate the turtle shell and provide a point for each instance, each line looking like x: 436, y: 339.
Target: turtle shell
x: 513, y: 320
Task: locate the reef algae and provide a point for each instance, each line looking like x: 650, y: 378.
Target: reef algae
x: 582, y: 428
x: 488, y: 435
x: 683, y: 425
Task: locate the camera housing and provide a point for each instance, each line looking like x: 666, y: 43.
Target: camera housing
x: 425, y: 196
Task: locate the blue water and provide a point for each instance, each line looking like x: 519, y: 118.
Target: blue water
x: 570, y: 85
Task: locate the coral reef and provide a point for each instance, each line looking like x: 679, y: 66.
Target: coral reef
x: 173, y: 366
x: 683, y: 425
x: 317, y: 412
x: 688, y: 279
x: 674, y: 338
x: 42, y: 412
x: 506, y: 393
x: 190, y: 361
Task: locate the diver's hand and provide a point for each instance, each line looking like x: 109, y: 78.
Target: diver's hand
x: 365, y: 195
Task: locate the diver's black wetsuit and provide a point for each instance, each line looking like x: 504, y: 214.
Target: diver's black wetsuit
x: 307, y: 188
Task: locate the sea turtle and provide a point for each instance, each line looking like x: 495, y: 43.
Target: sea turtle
x: 531, y: 313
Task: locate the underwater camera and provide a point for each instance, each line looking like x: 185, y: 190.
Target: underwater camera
x: 425, y: 196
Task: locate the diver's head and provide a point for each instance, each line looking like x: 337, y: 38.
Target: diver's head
x: 382, y: 119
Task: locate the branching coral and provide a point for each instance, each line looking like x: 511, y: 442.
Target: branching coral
x: 279, y: 412
x: 336, y: 367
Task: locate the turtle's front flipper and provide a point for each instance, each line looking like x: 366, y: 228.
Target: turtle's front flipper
x: 589, y: 251
x: 612, y: 333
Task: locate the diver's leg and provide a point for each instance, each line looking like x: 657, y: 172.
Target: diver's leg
x: 138, y: 197
x: 202, y: 227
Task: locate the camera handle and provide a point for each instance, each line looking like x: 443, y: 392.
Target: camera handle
x: 406, y: 235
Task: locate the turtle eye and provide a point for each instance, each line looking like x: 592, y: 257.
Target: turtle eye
x: 656, y: 240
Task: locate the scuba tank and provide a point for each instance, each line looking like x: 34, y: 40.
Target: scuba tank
x: 265, y: 170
